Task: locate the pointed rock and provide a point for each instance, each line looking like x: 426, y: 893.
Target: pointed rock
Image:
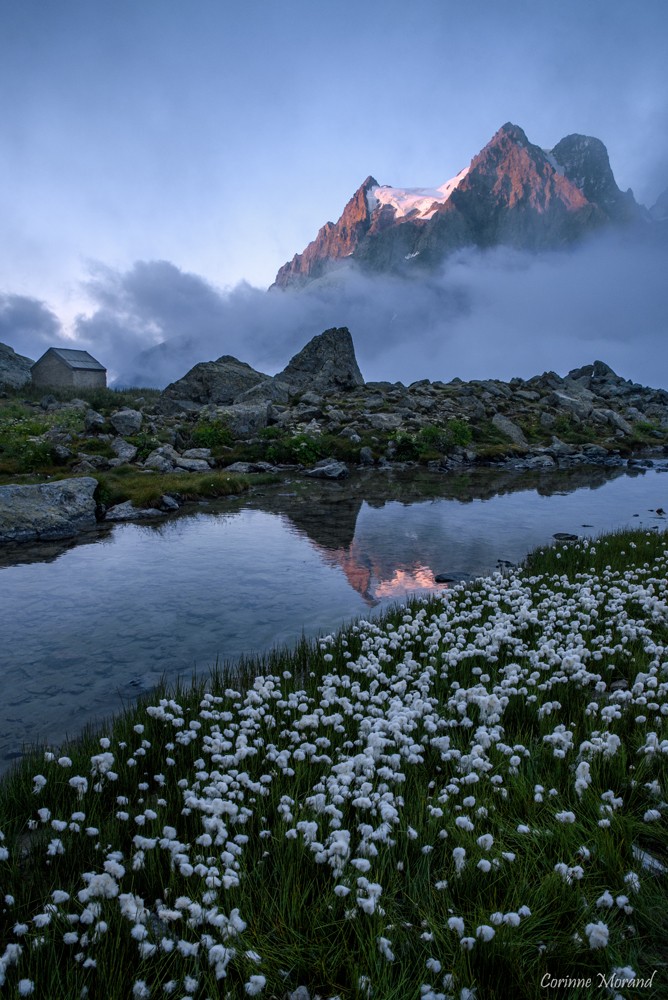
x: 327, y: 363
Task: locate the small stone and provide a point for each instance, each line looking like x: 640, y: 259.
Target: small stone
x: 328, y: 468
x: 93, y: 420
x: 128, y: 512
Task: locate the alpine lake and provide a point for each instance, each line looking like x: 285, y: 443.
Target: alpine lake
x: 89, y: 624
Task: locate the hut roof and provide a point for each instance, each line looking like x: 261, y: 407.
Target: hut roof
x: 76, y: 359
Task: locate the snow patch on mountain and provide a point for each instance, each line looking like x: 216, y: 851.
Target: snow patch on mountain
x: 552, y: 160
x: 421, y: 203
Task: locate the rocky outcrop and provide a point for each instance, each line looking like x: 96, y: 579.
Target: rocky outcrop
x: 586, y: 164
x: 327, y: 363
x: 14, y: 369
x: 48, y: 510
x: 513, y: 193
x: 217, y: 382
x: 333, y: 242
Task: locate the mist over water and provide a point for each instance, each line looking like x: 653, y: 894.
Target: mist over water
x: 485, y: 314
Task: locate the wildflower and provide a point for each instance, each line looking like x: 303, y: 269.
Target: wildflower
x: 485, y: 932
x: 598, y: 934
x: 385, y: 949
x: 255, y: 985
x: 632, y: 881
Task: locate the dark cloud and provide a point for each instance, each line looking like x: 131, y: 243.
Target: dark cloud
x: 28, y: 325
x: 486, y: 314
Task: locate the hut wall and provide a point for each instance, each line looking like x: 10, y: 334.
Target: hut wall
x: 87, y: 379
x: 51, y: 371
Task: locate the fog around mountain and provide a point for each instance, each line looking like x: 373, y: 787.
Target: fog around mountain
x: 493, y: 314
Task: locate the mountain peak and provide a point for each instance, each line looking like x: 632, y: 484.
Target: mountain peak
x: 585, y: 162
x: 510, y: 131
x: 513, y: 194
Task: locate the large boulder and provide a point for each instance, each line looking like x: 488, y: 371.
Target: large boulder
x: 218, y: 382
x: 327, y: 363
x: 126, y: 422
x: 47, y: 510
x: 14, y: 369
x: 244, y: 421
x: 510, y: 429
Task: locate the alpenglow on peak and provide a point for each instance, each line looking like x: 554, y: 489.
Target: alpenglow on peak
x: 512, y: 193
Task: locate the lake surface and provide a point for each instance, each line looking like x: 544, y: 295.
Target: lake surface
x: 86, y: 627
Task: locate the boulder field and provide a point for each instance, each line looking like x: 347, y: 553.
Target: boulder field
x: 318, y: 416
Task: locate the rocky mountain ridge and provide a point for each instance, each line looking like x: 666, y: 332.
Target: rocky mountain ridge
x: 320, y: 401
x: 514, y: 193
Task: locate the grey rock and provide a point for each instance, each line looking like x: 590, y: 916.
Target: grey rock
x: 547, y: 420
x: 534, y: 462
x: 162, y: 459
x: 48, y: 510
x: 169, y: 407
x: 193, y: 464
x: 328, y: 468
x: 560, y: 448
x: 124, y: 450
x: 204, y: 453
x: 14, y: 368
x: 617, y: 421
x: 93, y: 461
x: 312, y: 399
x: 383, y: 421
x: 127, y: 512
x: 326, y: 363
x: 576, y: 406
x: 244, y: 421
x: 61, y: 452
x: 510, y: 429
x: 126, y: 421
x: 366, y: 456
x: 50, y: 402
x: 93, y: 420
x: 218, y: 382
x: 168, y: 502
x: 271, y: 390
x: 158, y: 463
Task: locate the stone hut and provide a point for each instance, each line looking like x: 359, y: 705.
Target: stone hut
x: 68, y: 369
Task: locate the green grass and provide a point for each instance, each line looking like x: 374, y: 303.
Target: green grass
x: 145, y: 489
x: 521, y: 719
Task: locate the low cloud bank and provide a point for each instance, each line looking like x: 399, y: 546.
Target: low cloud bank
x: 28, y: 325
x: 493, y: 314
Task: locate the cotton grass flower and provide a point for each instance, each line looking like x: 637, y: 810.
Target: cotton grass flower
x: 597, y: 934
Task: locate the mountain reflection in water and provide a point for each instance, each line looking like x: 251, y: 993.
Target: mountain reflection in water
x: 87, y: 626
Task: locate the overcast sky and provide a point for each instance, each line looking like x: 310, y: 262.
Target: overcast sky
x: 220, y: 136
